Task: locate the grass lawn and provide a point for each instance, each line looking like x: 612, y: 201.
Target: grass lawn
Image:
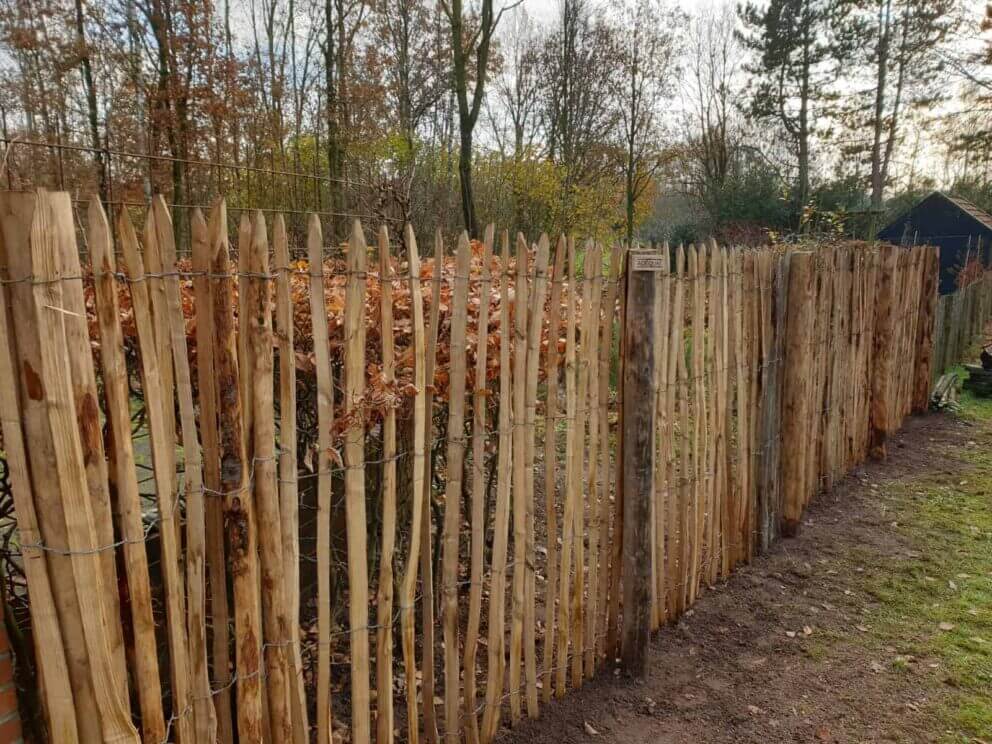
x: 936, y: 608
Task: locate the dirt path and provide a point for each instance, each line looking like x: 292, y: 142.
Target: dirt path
x: 817, y: 641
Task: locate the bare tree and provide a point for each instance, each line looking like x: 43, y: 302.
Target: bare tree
x: 466, y: 45
x: 712, y: 96
x: 648, y: 57
x: 518, y: 84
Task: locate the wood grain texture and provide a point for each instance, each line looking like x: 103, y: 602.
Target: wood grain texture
x: 235, y: 482
x: 409, y: 586
x: 551, y: 468
x: 384, y: 609
x: 203, y: 292
x: 480, y: 398
x: 453, y: 492
x: 58, y: 693
x: 325, y: 420
x: 354, y: 485
x: 162, y: 440
x: 495, y: 683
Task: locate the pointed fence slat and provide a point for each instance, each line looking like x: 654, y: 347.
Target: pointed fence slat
x: 354, y: 484
x: 478, y: 485
x: 501, y: 518
x: 58, y: 691
x: 384, y: 609
x: 203, y: 292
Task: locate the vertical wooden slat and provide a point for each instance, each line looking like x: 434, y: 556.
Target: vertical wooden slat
x: 84, y: 393
x: 204, y: 722
x: 53, y: 665
x: 925, y: 333
x: 749, y: 387
x: 257, y: 308
x: 535, y: 328
x: 742, y: 404
x: 384, y: 609
x: 675, y: 404
x: 409, y: 585
x: 354, y: 456
x: 551, y: 467
x: 725, y: 476
x: 775, y: 274
x: 244, y: 348
x: 203, y: 291
x: 661, y: 439
x: 616, y: 557
x: 716, y: 337
x: 520, y: 308
x: 709, y: 260
x: 594, y: 265
x: 162, y: 340
x: 571, y: 486
x: 427, y: 535
x: 696, y: 280
x: 588, y: 324
x: 52, y: 221
x: 495, y: 683
x: 17, y: 217
x: 162, y: 444
x: 121, y: 459
x: 289, y: 509
x: 239, y: 511
x: 882, y: 350
x: 325, y: 419
x: 795, y: 398
x: 607, y: 322
x: 453, y: 490
x: 478, y: 509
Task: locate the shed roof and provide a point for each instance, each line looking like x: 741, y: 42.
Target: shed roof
x: 979, y: 215
x: 917, y: 215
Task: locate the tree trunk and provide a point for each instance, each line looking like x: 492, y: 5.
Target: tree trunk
x: 465, y: 180
x: 91, y: 105
x: 877, y: 179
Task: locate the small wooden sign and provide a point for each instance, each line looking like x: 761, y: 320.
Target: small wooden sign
x: 648, y: 261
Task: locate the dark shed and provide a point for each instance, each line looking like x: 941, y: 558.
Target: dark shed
x: 962, y: 231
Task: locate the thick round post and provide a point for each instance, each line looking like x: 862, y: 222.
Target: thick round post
x: 637, y: 457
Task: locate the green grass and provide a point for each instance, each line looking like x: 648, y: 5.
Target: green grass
x: 936, y: 606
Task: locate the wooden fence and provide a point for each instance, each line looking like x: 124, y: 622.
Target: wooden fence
x: 961, y: 317
x: 185, y: 618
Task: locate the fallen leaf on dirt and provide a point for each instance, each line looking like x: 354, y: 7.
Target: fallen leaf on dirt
x: 589, y: 729
x: 862, y: 628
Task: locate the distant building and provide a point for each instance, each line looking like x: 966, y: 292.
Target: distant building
x: 962, y: 231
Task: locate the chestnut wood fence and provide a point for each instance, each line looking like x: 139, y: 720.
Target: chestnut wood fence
x: 469, y: 419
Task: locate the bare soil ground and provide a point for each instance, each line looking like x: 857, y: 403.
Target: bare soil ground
x: 790, y: 649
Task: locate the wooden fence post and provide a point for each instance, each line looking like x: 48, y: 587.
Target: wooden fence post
x: 636, y: 457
